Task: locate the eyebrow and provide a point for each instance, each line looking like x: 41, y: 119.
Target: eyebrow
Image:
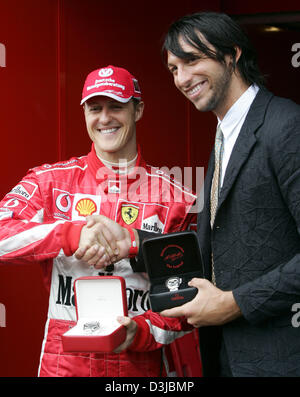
x: 95, y: 102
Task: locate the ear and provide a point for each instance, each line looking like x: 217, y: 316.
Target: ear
x: 139, y: 109
x: 238, y: 53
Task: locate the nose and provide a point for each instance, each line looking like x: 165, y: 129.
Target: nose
x: 104, y: 116
x: 182, y: 78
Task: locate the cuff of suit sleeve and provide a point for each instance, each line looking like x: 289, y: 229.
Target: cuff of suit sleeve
x: 142, y: 334
x: 249, y: 306
x: 70, y: 236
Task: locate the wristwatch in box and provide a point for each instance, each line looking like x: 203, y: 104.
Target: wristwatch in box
x: 171, y: 261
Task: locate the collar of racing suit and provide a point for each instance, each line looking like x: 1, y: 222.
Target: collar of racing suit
x: 103, y: 173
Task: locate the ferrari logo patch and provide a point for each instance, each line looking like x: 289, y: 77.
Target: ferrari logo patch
x: 129, y: 213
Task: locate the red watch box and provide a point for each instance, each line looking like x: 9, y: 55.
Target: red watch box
x: 99, y: 301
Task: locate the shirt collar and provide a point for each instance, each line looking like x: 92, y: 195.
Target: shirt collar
x: 237, y: 111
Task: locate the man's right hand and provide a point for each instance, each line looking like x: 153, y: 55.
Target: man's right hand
x: 92, y: 246
x: 103, y: 241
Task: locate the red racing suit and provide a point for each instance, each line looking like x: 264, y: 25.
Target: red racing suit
x: 41, y: 219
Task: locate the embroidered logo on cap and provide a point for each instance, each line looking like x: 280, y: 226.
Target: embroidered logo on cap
x: 105, y: 72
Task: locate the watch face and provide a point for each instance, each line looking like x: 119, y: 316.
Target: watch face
x: 173, y: 283
x: 91, y: 327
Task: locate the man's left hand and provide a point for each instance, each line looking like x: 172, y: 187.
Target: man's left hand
x: 211, y: 306
x: 131, y: 326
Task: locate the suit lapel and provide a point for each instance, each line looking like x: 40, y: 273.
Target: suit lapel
x: 245, y: 141
x: 203, y: 227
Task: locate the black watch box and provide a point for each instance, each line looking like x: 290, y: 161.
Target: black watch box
x: 171, y: 261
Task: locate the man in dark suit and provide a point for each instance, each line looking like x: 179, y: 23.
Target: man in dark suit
x: 252, y: 247
x: 249, y: 227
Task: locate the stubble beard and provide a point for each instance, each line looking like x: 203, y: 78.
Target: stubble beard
x: 219, y: 92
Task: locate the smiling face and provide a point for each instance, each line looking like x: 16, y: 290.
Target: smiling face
x: 111, y: 126
x: 206, y: 82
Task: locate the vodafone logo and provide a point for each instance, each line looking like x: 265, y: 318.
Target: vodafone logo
x: 106, y: 72
x: 63, y: 202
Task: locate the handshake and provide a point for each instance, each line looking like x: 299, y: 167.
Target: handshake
x: 103, y: 241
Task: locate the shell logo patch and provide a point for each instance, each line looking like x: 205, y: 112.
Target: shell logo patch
x: 85, y: 207
x: 129, y: 213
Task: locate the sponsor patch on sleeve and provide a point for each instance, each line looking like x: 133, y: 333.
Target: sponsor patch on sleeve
x: 24, y: 189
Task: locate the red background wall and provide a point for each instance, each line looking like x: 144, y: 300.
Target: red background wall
x: 50, y: 47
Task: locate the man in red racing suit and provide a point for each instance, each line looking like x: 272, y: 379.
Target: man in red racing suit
x: 41, y: 220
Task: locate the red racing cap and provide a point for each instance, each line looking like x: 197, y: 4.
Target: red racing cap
x: 111, y: 81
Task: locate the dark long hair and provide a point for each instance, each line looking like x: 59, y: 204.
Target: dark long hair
x: 223, y: 33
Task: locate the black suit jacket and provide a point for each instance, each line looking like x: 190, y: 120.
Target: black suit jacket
x: 256, y: 244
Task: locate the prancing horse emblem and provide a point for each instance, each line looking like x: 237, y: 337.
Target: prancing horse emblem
x: 129, y: 213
